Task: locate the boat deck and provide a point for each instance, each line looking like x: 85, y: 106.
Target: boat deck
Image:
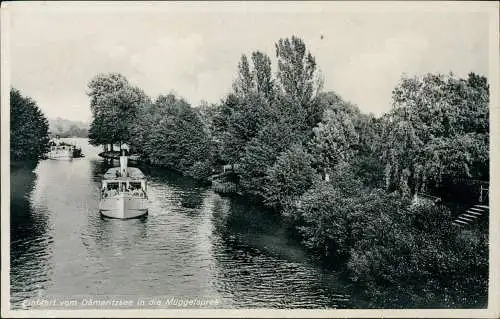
x: 133, y: 173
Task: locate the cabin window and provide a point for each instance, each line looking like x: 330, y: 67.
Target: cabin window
x: 112, y: 186
x: 135, y: 185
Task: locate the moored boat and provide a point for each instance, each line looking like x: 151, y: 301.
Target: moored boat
x: 124, y: 192
x: 62, y: 150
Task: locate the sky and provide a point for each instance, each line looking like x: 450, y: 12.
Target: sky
x: 192, y: 49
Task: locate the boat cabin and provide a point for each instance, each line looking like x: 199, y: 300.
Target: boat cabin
x: 131, y: 181
x: 124, y: 185
x: 63, y: 147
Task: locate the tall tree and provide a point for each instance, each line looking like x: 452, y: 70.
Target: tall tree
x: 244, y: 123
x: 296, y: 70
x: 114, y: 104
x: 262, y: 73
x: 299, y: 83
x: 250, y: 105
x: 254, y: 78
x: 244, y: 83
x: 29, y: 128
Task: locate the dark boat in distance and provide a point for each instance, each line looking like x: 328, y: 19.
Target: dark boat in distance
x: 62, y: 150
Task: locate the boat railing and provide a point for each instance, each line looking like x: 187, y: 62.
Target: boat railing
x: 113, y: 192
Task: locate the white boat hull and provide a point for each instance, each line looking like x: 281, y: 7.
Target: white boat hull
x: 123, y: 206
x: 62, y: 155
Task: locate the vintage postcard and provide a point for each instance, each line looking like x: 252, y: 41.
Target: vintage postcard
x: 250, y: 159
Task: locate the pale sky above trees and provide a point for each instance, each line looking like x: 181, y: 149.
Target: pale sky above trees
x: 193, y: 50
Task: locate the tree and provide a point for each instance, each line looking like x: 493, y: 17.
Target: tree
x: 244, y: 84
x: 296, y: 71
x: 289, y: 178
x: 114, y: 104
x: 255, y: 79
x: 260, y: 154
x: 222, y: 113
x: 249, y: 108
x: 262, y: 73
x: 171, y: 133
x: 432, y: 115
x: 368, y: 151
x: 270, y: 115
x: 402, y: 148
x: 29, y: 128
x: 246, y: 119
x: 333, y: 139
x: 455, y: 158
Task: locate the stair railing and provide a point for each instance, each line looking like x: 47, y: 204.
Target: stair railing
x: 483, y: 193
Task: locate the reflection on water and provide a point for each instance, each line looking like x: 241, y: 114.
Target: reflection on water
x: 259, y: 266
x: 30, y: 237
x: 193, y: 243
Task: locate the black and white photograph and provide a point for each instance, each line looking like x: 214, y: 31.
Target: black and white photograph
x: 250, y: 159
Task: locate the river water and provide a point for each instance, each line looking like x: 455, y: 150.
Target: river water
x: 194, y: 249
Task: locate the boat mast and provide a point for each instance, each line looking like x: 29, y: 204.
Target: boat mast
x: 123, y: 163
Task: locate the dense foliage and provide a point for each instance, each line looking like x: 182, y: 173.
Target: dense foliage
x: 412, y: 257
x: 344, y: 180
x: 167, y: 132
x: 28, y: 128
x: 114, y: 103
x: 170, y: 133
x: 438, y: 129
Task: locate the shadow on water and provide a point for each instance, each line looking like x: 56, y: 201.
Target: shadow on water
x: 30, y: 240
x: 258, y: 265
x: 255, y: 226
x: 98, y: 167
x: 22, y: 183
x: 190, y: 193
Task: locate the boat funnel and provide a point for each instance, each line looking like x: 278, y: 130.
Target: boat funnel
x: 123, y: 165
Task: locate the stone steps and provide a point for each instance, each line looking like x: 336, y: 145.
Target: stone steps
x: 471, y: 215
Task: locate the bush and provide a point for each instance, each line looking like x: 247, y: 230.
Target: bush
x: 200, y: 170
x: 324, y: 213
x: 289, y: 178
x: 415, y: 258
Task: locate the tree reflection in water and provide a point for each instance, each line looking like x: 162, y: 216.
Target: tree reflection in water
x: 31, y: 243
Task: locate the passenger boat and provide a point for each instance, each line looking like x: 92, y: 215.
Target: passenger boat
x: 62, y: 150
x: 124, y: 192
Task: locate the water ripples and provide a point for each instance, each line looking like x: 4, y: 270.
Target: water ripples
x: 193, y: 243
